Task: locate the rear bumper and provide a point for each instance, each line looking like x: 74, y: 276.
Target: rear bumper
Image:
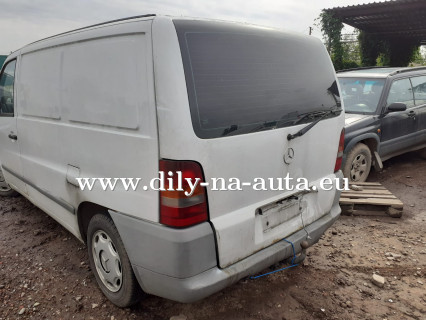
x: 183, y: 267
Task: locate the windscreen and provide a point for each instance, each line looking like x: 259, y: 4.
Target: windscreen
x: 361, y: 95
x: 243, y: 79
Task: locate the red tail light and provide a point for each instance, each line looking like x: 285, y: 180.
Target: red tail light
x: 339, y: 157
x: 177, y: 209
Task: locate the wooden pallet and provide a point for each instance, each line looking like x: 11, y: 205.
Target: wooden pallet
x: 373, y: 199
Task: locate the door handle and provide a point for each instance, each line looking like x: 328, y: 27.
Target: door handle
x: 13, y: 136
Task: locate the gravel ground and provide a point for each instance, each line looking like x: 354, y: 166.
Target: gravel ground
x: 44, y: 271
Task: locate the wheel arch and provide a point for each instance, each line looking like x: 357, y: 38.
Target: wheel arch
x: 85, y: 212
x: 371, y: 140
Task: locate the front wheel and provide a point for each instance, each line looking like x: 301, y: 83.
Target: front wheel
x: 110, y: 263
x: 422, y: 153
x: 358, y: 163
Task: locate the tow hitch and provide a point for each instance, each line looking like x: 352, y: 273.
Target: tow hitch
x: 302, y: 255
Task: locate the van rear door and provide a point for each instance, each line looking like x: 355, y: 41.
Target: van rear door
x: 245, y: 89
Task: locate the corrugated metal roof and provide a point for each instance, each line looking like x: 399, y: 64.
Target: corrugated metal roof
x: 399, y: 18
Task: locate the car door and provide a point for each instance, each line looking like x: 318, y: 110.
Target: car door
x: 419, y: 89
x: 10, y: 156
x: 398, y: 129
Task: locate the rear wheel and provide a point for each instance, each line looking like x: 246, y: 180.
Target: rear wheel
x: 110, y: 263
x: 5, y: 189
x: 358, y: 163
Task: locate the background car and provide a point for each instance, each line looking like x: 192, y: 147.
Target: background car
x: 385, y: 116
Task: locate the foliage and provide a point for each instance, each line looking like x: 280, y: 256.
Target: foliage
x: 351, y: 50
x: 371, y: 48
x: 331, y: 28
x: 382, y: 60
x: 419, y: 58
x: 393, y: 52
x: 402, y: 51
x: 349, y: 65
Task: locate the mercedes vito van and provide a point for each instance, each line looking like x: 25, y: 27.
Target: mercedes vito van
x: 136, y: 97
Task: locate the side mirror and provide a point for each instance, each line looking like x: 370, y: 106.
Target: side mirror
x: 396, y: 106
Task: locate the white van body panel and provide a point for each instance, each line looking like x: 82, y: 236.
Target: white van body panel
x: 246, y: 157
x: 87, y: 103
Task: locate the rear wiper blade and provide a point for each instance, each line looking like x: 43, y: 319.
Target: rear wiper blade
x: 288, y: 118
x: 230, y: 129
x: 311, y: 115
x: 322, y: 115
x: 265, y: 125
x: 233, y: 129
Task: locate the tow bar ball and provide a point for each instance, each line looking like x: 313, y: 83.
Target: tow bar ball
x: 304, y: 244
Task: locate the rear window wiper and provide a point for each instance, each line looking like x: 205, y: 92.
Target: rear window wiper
x: 233, y: 128
x: 321, y: 114
x: 230, y: 129
x: 286, y: 118
x: 265, y: 126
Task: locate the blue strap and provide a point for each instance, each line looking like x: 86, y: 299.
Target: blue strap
x: 294, y: 251
x: 288, y: 267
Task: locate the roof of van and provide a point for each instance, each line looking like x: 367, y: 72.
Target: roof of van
x: 16, y: 52
x: 145, y: 16
x: 98, y: 24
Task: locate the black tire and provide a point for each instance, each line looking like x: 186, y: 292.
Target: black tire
x: 358, y: 163
x: 129, y: 292
x: 5, y: 189
x: 9, y: 193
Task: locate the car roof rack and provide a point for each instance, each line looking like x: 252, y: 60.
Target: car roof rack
x: 401, y: 70
x: 408, y: 69
x: 362, y: 68
x: 96, y: 25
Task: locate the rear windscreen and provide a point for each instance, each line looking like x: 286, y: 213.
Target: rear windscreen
x: 243, y: 79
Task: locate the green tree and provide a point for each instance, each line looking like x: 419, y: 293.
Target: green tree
x: 351, y: 50
x: 331, y: 28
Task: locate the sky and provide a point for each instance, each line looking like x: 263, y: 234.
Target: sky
x: 25, y: 21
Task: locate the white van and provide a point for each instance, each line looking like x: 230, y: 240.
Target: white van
x: 133, y: 97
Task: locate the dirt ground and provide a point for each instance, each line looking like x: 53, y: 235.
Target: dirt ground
x: 44, y: 271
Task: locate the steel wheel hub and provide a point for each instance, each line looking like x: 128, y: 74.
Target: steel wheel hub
x: 107, y: 261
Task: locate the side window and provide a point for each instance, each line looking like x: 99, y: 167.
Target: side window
x: 7, y: 80
x: 419, y: 89
x: 401, y: 91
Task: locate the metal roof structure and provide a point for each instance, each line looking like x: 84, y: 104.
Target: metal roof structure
x: 391, y: 19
